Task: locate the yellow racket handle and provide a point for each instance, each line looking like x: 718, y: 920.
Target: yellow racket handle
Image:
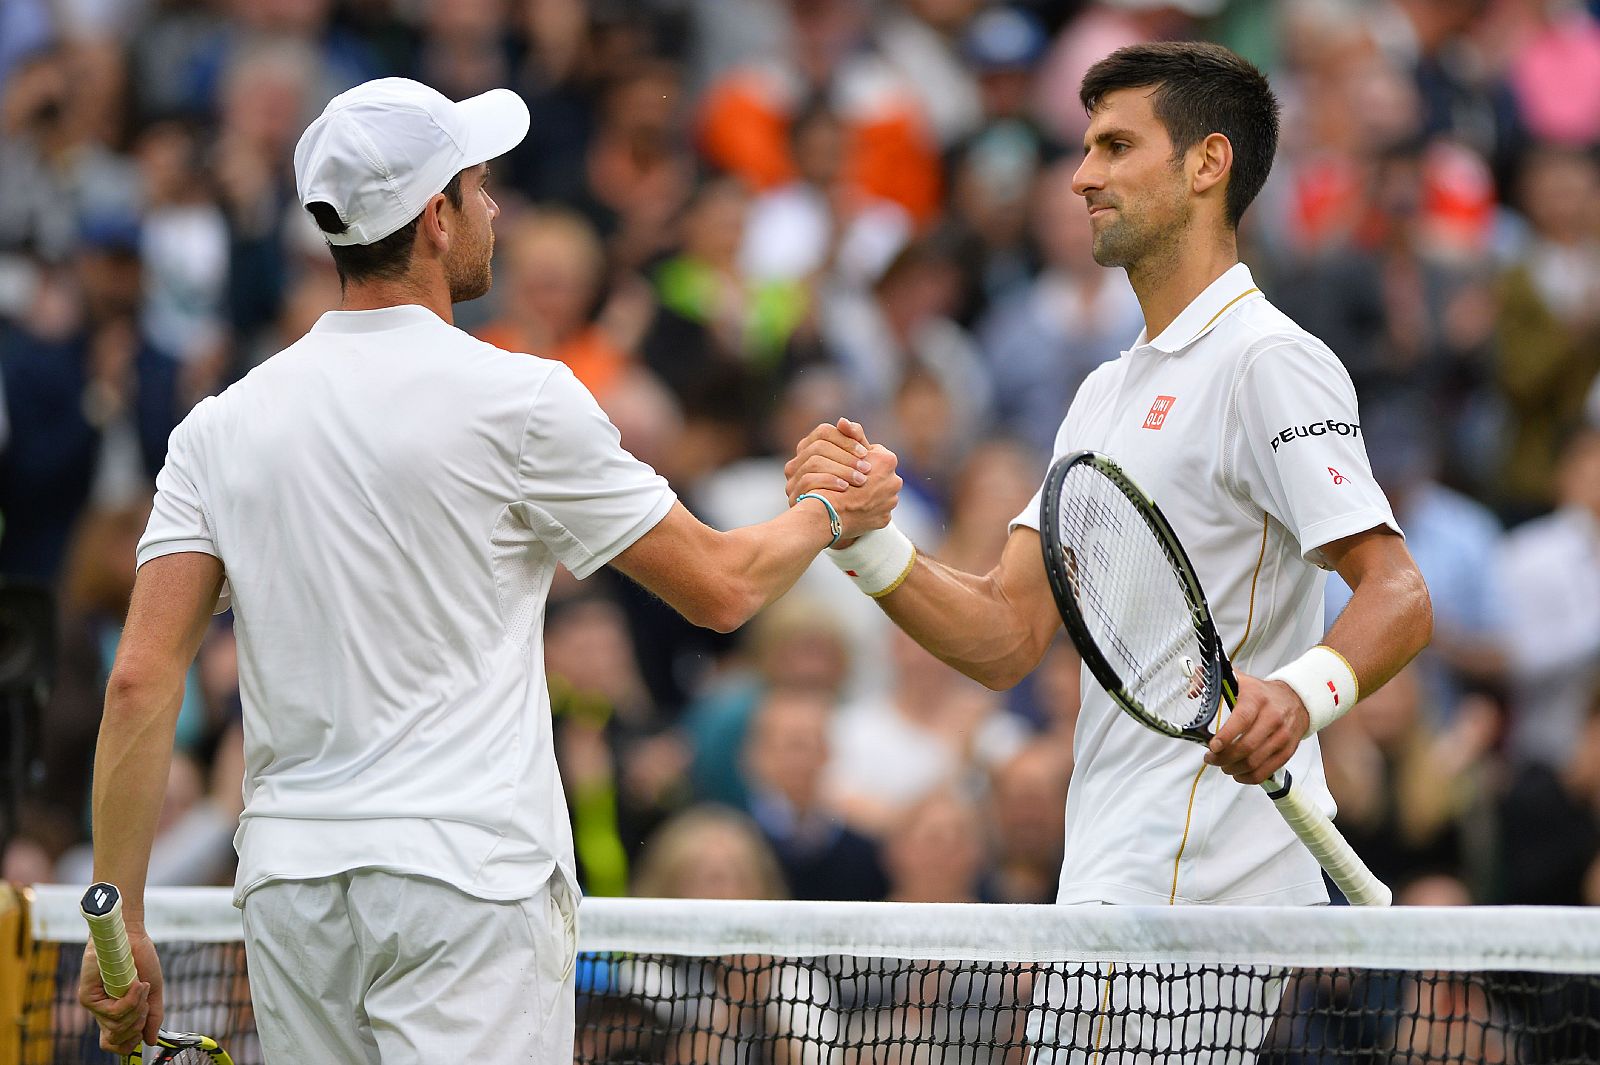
x: 102, y: 908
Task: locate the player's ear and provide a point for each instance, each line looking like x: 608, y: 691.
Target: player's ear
x: 1213, y: 161
x: 435, y: 225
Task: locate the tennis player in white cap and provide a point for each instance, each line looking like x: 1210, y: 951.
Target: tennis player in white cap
x: 384, y: 504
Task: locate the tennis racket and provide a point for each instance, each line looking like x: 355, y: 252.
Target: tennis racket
x: 102, y: 908
x: 1131, y: 602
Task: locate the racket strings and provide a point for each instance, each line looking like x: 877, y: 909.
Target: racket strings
x: 1132, y: 599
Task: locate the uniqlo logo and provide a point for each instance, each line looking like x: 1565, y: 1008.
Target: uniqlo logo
x: 1158, y: 412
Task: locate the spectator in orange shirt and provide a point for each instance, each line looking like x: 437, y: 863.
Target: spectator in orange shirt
x: 891, y: 154
x: 555, y: 265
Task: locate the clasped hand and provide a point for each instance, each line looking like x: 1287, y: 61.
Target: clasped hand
x: 859, y: 477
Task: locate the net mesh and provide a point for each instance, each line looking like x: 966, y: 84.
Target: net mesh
x: 206, y: 989
x: 776, y: 983
x: 1131, y: 600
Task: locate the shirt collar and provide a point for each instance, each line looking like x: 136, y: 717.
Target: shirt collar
x: 1204, y: 311
x: 378, y: 320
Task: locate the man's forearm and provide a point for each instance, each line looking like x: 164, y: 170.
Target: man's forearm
x: 966, y: 621
x: 132, y: 759
x: 767, y: 559
x: 1388, y: 621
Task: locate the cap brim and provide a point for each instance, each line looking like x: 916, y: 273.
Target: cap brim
x: 495, y: 123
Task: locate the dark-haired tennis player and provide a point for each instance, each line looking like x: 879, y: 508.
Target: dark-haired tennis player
x: 386, y: 502
x: 1244, y: 429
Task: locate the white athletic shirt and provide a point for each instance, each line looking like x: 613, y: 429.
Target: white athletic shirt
x: 1244, y: 430
x: 389, y: 498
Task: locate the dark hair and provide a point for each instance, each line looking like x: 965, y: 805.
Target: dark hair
x: 813, y: 110
x: 383, y: 260
x: 1200, y: 89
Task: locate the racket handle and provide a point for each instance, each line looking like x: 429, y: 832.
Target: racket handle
x: 102, y: 908
x: 1332, y: 851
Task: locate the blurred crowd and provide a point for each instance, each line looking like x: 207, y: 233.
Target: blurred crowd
x: 737, y: 218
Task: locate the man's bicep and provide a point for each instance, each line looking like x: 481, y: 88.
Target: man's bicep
x: 173, y: 597
x: 1022, y: 581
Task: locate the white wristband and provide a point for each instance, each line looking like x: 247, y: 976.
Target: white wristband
x: 879, y: 561
x: 1325, y: 683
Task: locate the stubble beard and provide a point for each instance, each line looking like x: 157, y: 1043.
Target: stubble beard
x: 473, y: 274
x: 1118, y: 243
x: 1134, y: 243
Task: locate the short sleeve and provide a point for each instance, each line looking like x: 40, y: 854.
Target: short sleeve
x: 178, y: 519
x: 1301, y: 456
x: 1029, y: 517
x: 583, y: 496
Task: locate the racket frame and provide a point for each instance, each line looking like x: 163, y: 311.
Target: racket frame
x: 1215, y: 660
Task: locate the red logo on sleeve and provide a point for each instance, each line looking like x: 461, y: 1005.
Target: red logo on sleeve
x: 1158, y: 412
x: 1338, y: 478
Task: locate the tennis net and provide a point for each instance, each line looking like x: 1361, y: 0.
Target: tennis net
x: 691, y: 982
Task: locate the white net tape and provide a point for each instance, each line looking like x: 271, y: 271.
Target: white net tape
x: 1468, y: 939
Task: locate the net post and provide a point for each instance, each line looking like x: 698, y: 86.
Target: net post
x: 16, y: 942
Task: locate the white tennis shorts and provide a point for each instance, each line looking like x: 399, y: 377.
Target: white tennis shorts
x: 372, y: 966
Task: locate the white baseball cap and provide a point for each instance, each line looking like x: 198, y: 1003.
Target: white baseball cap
x: 379, y: 151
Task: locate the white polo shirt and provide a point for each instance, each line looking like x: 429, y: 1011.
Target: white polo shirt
x: 1244, y: 430
x: 389, y: 498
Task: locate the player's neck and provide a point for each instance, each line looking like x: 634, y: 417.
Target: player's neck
x: 429, y: 292
x: 1168, y: 281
